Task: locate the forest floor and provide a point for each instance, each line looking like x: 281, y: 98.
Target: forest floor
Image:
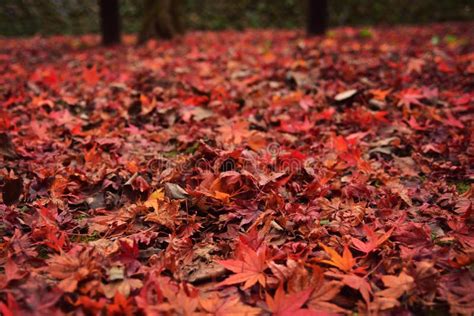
x: 239, y: 173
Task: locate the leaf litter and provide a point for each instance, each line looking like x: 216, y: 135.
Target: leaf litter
x: 231, y: 173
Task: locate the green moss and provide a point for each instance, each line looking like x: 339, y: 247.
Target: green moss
x: 85, y: 238
x: 82, y: 216
x: 324, y: 222
x: 450, y: 39
x: 267, y: 46
x: 192, y: 149
x: 366, y: 33
x: 462, y: 186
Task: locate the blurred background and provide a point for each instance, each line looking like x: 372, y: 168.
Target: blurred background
x: 48, y: 17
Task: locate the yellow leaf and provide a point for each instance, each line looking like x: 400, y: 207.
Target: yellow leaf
x: 156, y: 196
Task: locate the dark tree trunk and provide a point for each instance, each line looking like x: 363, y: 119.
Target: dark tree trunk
x: 161, y: 19
x: 317, y: 17
x: 110, y: 22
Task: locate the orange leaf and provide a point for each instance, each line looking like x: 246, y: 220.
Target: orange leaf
x: 380, y: 94
x: 121, y: 306
x: 345, y: 262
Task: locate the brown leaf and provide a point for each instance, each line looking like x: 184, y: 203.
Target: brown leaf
x: 216, y: 305
x: 396, y: 285
x: 12, y: 190
x: 174, y: 191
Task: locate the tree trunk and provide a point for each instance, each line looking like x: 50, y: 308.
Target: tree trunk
x: 161, y: 19
x: 110, y: 22
x: 176, y: 12
x: 317, y: 17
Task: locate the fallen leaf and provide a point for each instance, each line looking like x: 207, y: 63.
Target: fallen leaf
x: 346, y: 95
x: 345, y: 262
x: 373, y: 241
x: 285, y: 305
x: 249, y: 269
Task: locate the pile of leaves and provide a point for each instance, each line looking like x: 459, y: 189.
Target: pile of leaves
x: 239, y: 173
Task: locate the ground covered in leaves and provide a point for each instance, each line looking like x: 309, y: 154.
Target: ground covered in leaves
x: 239, y: 174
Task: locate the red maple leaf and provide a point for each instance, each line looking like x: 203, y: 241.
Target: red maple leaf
x: 11, y: 307
x: 249, y: 269
x: 452, y: 121
x: 90, y: 75
x: 340, y: 144
x: 373, y: 241
x: 410, y: 96
x: 285, y: 305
